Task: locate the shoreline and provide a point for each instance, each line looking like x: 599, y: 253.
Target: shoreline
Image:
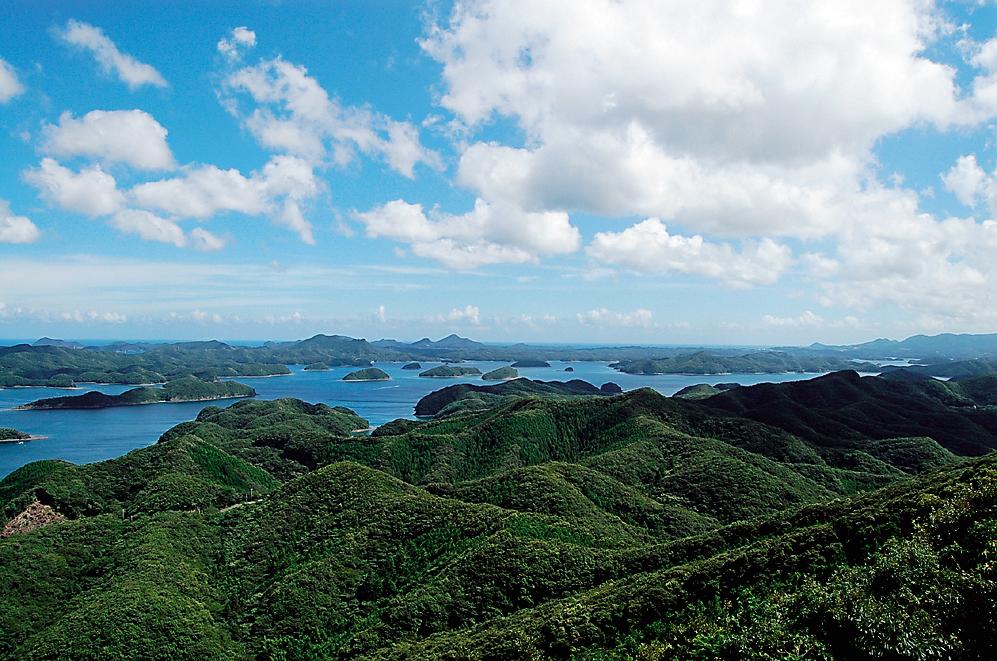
x: 32, y: 437
x: 25, y: 407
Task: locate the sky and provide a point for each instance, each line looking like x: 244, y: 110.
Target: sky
x: 626, y: 171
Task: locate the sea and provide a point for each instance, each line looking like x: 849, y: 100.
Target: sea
x: 87, y: 436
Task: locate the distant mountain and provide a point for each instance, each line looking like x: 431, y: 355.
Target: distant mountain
x: 950, y: 346
x: 50, y: 342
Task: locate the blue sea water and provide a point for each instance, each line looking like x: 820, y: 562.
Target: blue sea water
x: 87, y: 436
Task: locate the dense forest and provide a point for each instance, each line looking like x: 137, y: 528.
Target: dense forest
x: 530, y: 526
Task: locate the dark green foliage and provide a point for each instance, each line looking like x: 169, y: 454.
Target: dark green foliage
x: 762, y: 362
x: 368, y: 374
x: 8, y: 434
x: 317, y: 367
x: 411, y: 366
x: 592, y: 527
x: 467, y: 397
x: 842, y: 409
x: 188, y: 389
x: 449, y: 371
x: 531, y: 362
x: 501, y: 374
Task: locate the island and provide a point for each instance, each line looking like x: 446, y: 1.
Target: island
x: 8, y: 435
x: 449, y: 372
x: 188, y: 389
x: 757, y: 362
x: 529, y: 362
x: 368, y: 374
x: 411, y: 366
x: 317, y: 367
x: 569, y: 369
x: 501, y: 374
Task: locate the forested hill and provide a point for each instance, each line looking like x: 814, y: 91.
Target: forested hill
x: 590, y: 527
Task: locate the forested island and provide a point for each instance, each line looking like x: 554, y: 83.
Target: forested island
x: 500, y: 374
x: 758, y: 362
x: 57, y: 363
x: 188, y: 389
x: 449, y: 371
x: 756, y: 522
x: 369, y: 374
x: 8, y: 435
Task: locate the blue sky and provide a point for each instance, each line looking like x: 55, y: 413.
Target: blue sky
x: 745, y: 173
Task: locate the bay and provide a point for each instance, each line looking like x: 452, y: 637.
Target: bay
x: 87, y: 436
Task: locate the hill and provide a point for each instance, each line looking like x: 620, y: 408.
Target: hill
x: 368, y: 374
x: 501, y: 374
x: 626, y: 526
x: 466, y: 397
x: 841, y: 408
x: 758, y: 362
x: 449, y: 371
x: 189, y: 389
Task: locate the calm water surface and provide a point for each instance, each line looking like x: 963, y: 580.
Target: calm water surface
x: 86, y: 436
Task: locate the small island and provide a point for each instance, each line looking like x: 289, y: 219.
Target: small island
x: 411, y: 366
x: 449, y: 372
x: 317, y: 367
x: 569, y: 369
x: 529, y: 362
x: 501, y: 374
x: 188, y: 389
x: 8, y: 435
x: 368, y: 374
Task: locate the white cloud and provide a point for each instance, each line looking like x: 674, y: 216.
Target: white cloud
x: 469, y: 313
x: 648, y: 247
x: 488, y: 234
x: 381, y: 315
x: 149, y: 227
x: 201, y: 239
x: 129, y: 70
x: 126, y: 136
x: 240, y: 39
x: 293, y: 113
x: 279, y: 190
x: 91, y: 191
x: 808, y: 318
x: 16, y: 229
x: 641, y: 317
x: 703, y: 117
x: 965, y: 180
x: 10, y: 86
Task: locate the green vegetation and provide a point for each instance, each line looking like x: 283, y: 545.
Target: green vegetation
x: 529, y: 362
x: 317, y: 367
x: 188, y: 389
x: 8, y: 434
x: 501, y: 374
x: 411, y: 366
x: 467, y: 397
x: 449, y: 371
x: 542, y: 525
x: 758, y: 362
x: 368, y: 374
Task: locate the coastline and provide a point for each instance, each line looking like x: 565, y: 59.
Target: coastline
x: 26, y: 407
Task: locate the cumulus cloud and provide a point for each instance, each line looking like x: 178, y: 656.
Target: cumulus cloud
x: 91, y: 191
x: 201, y: 239
x: 149, y: 227
x: 10, y: 85
x: 127, y: 136
x: 16, y: 229
x: 965, y: 179
x: 807, y: 318
x: 292, y: 113
x: 729, y: 148
x: 470, y: 314
x: 280, y: 189
x: 128, y: 70
x: 240, y: 39
x: 488, y: 234
x: 648, y: 247
x: 641, y: 317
